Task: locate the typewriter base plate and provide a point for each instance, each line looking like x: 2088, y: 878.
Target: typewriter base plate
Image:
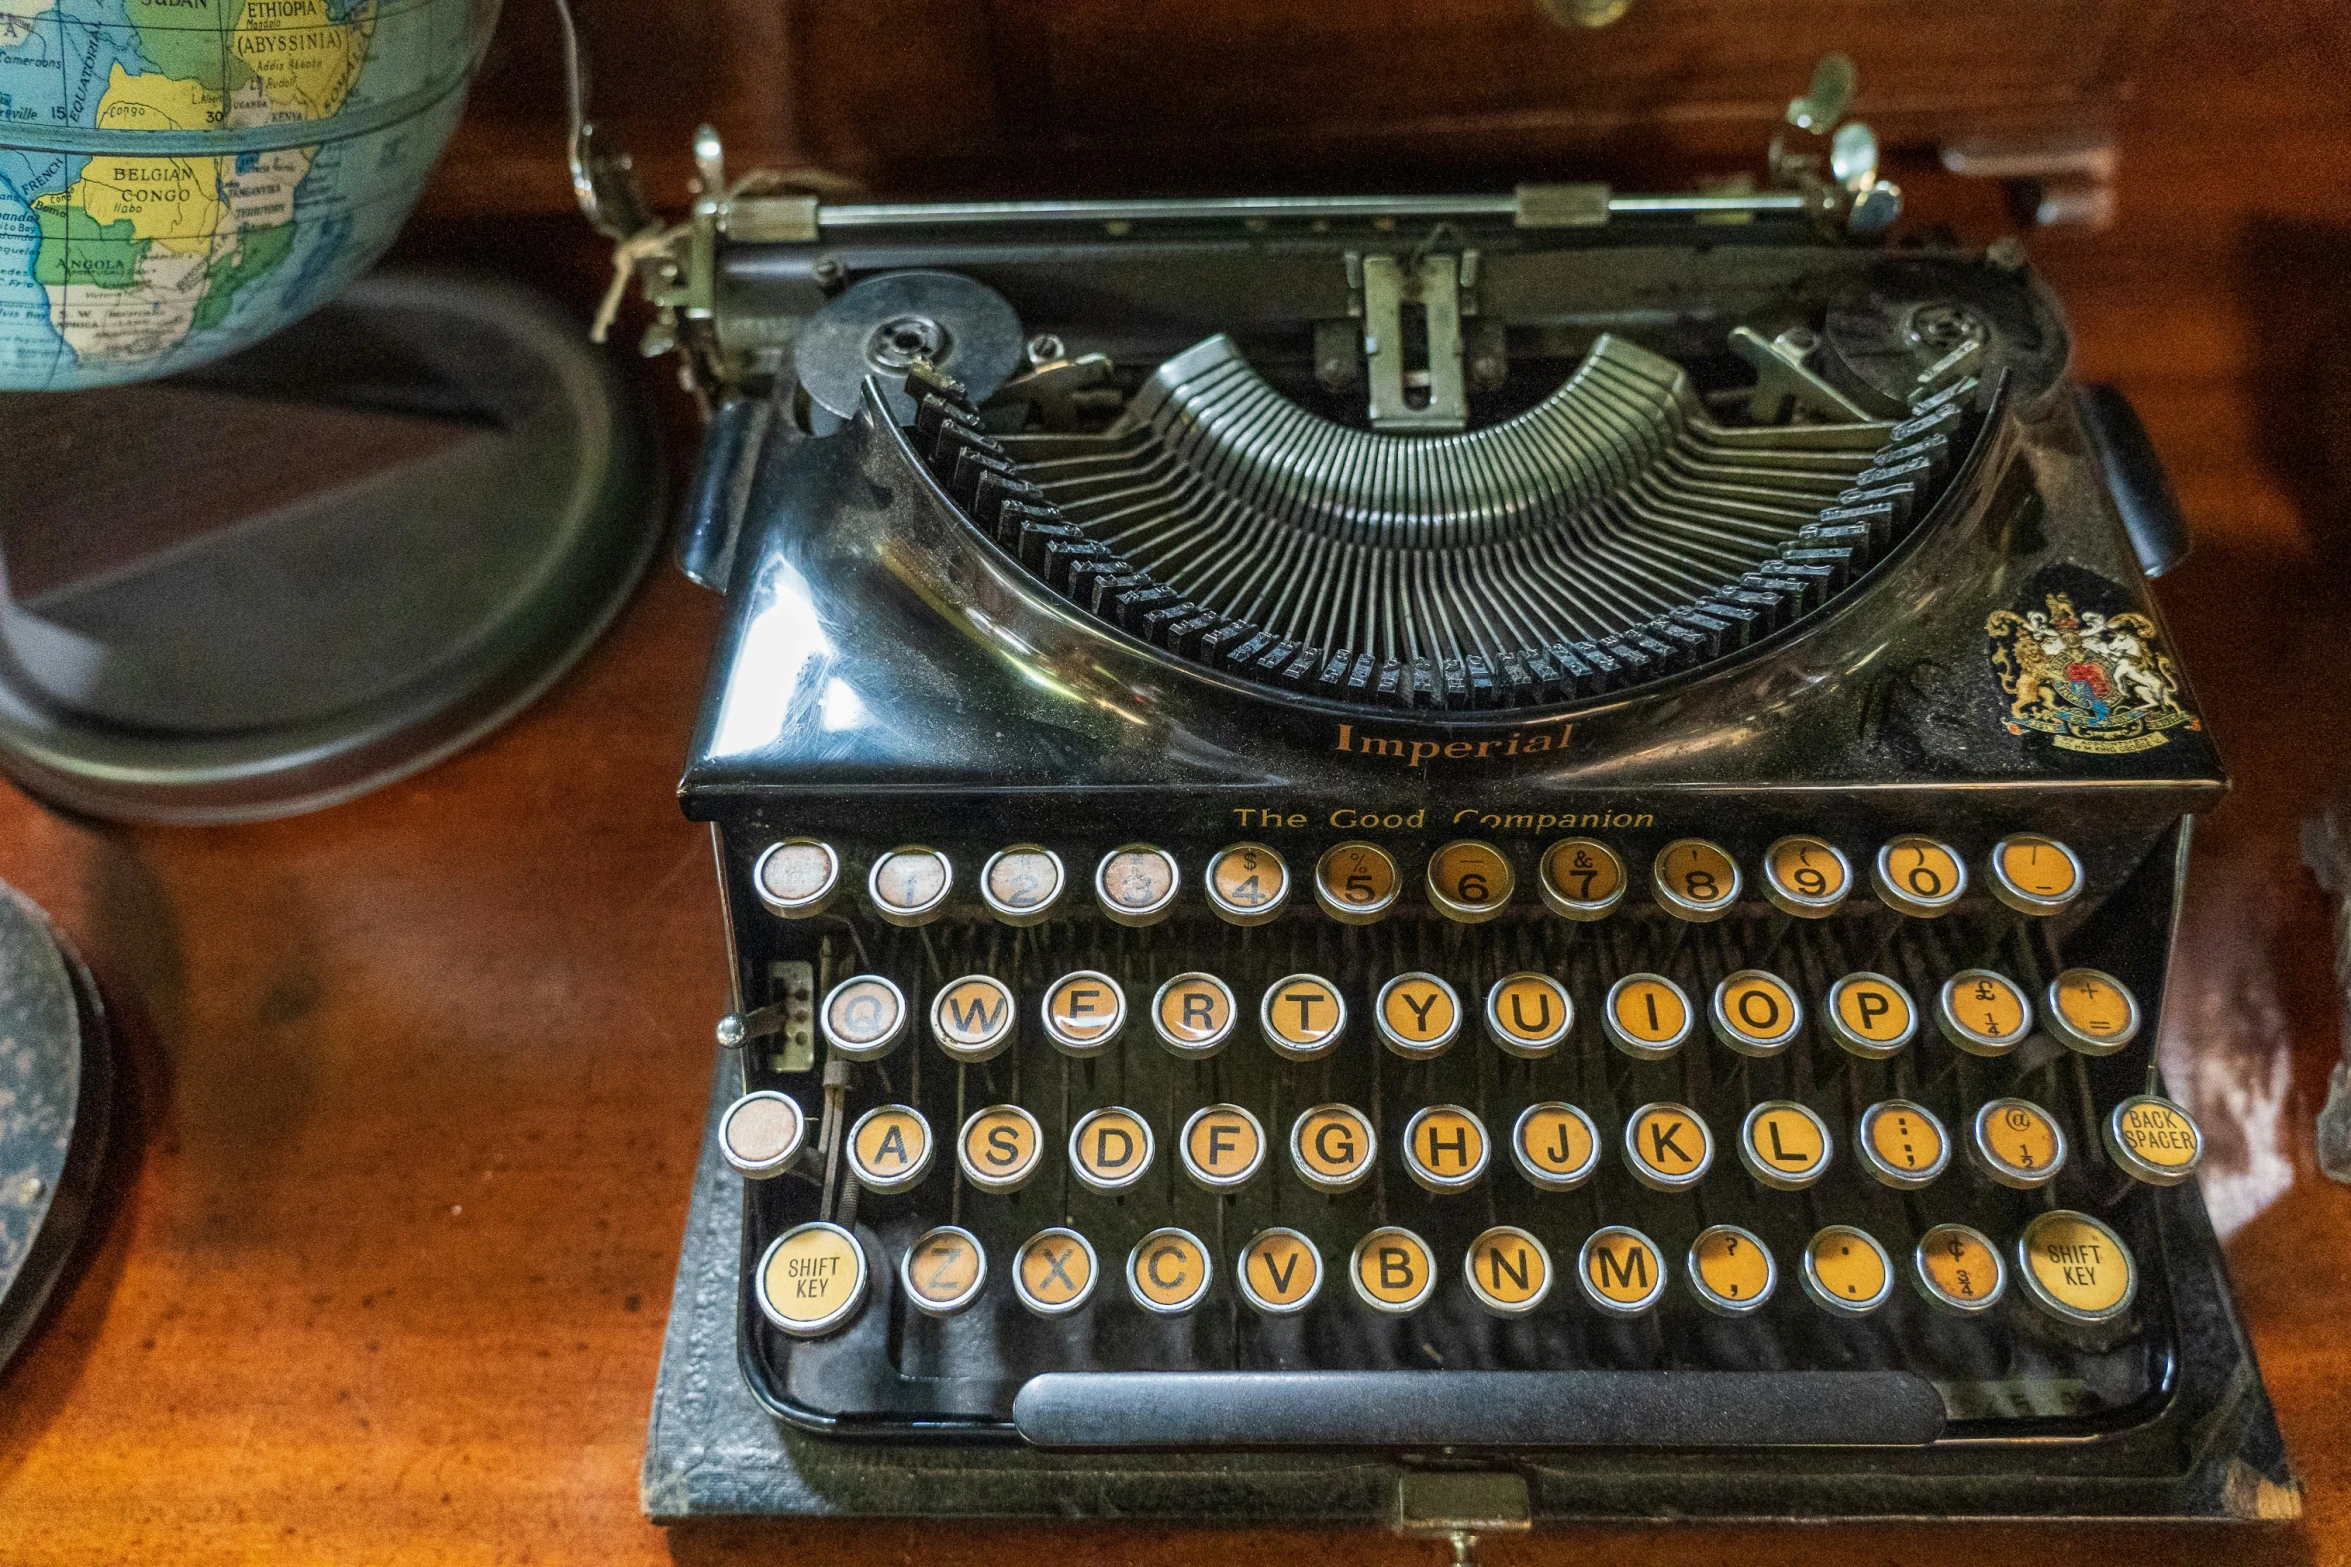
x: 713, y: 1450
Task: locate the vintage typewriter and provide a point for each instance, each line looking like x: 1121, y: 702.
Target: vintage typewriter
x: 1506, y: 857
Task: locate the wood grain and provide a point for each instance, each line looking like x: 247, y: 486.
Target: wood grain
x: 418, y: 1080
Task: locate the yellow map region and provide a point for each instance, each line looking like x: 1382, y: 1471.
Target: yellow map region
x: 305, y: 59
x: 176, y: 202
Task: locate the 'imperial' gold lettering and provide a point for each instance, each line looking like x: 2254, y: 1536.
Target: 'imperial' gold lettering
x: 1413, y: 751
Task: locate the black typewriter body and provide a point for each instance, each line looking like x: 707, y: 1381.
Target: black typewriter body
x: 966, y: 660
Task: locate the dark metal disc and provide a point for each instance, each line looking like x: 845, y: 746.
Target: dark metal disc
x: 881, y: 325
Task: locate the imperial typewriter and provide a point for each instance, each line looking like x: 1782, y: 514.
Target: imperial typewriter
x: 1473, y: 858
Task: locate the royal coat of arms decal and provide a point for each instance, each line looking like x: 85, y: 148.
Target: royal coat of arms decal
x: 2094, y: 682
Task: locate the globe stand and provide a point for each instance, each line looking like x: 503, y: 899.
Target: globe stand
x: 317, y: 566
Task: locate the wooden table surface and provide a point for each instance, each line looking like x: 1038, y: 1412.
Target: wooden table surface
x: 417, y: 1081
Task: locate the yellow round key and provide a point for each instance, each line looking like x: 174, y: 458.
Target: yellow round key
x: 2154, y: 1140
x: 944, y: 1271
x: 2018, y: 1144
x: 1332, y: 1147
x: 1870, y: 1015
x: 1110, y: 1149
x: 909, y: 886
x: 1806, y: 876
x: 1902, y: 1144
x: 1528, y: 1015
x: 1755, y: 1013
x: 1393, y: 1270
x: 1193, y: 1015
x: 1508, y: 1271
x: 1021, y: 885
x: 1646, y: 1016
x: 973, y: 1018
x: 864, y: 1017
x: 1083, y: 1012
x: 761, y: 1133
x: 1959, y: 1270
x: 2076, y: 1268
x: 797, y: 877
x: 1785, y: 1145
x: 1581, y: 879
x: 1356, y: 883
x: 1417, y: 1015
x: 1470, y: 881
x: 2092, y: 1011
x: 1731, y: 1270
x: 1223, y: 1147
x: 811, y: 1279
x: 1555, y: 1146
x: 1053, y: 1272
x: 1983, y: 1013
x: 1248, y: 884
x: 1168, y: 1272
x: 1919, y: 876
x: 1621, y: 1271
x: 1847, y: 1271
x: 1695, y: 879
x: 1302, y: 1017
x: 1667, y: 1146
x: 1136, y: 884
x: 1445, y: 1148
x: 2035, y: 875
x: 890, y: 1148
x: 1280, y: 1272
x: 1000, y: 1148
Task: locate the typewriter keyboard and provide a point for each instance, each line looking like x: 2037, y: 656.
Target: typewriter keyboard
x: 1809, y: 1104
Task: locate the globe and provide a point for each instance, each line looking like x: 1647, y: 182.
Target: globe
x: 181, y: 177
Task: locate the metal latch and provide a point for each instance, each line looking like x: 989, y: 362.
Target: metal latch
x: 1428, y: 398
x: 1459, y: 1505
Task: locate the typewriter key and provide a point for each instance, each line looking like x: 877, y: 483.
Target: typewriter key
x: 797, y: 877
x: 2075, y: 1268
x: 1508, y: 1271
x: 761, y: 1133
x: 1695, y: 880
x: 1807, y: 877
x: 864, y: 1017
x: 1731, y: 1272
x: 909, y: 886
x: 1136, y: 884
x: 1959, y: 1270
x: 972, y: 1018
x: 1847, y: 1271
x: 1021, y: 884
x: 1193, y: 1015
x: 1647, y: 1016
x: 1445, y: 1149
x: 1902, y: 1143
x: 1582, y: 879
x: 1000, y: 1148
x: 2033, y: 874
x: 1248, y: 884
x: 944, y: 1271
x: 1168, y: 1272
x: 1053, y: 1272
x: 1785, y: 1145
x: 811, y: 1279
x: 2093, y: 1012
x: 1916, y: 875
x: 1280, y: 1272
x: 1470, y: 881
x: 1302, y: 1017
x: 1223, y: 1147
x: 1755, y: 1013
x: 1084, y: 1012
x: 2017, y: 1143
x: 1983, y: 1013
x: 890, y: 1148
x: 1393, y: 1271
x: 1417, y: 1015
x: 1667, y: 1147
x: 1528, y: 1015
x: 1556, y: 1146
x: 1621, y: 1271
x: 1110, y: 1149
x: 1870, y: 1015
x: 1332, y: 1147
x: 1356, y: 883
x: 2155, y: 1140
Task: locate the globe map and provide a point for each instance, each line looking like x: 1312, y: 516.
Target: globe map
x: 181, y: 177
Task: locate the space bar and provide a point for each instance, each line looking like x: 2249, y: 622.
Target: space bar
x: 1234, y: 1409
